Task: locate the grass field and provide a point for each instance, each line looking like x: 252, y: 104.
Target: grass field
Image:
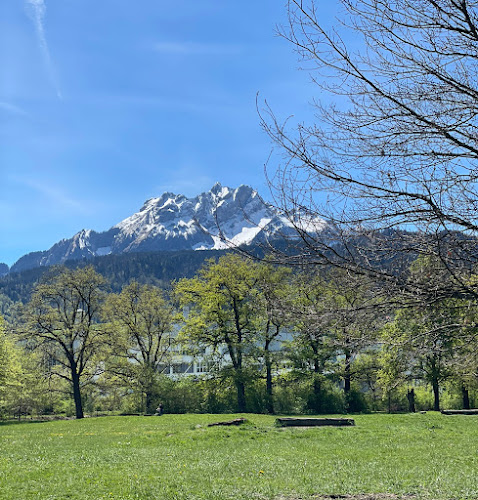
x: 179, y: 457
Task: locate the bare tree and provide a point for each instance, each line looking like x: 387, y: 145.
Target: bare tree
x: 391, y: 160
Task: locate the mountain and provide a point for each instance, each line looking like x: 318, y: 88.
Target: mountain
x: 4, y: 269
x: 213, y: 220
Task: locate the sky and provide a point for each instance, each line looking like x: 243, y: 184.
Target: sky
x: 106, y: 103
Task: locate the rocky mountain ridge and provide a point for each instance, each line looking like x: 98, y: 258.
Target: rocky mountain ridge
x: 216, y: 219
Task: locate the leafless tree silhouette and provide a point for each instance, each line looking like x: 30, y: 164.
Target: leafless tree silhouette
x: 391, y: 160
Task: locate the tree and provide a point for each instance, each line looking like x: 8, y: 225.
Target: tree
x: 10, y: 368
x: 142, y: 321
x: 394, y: 362
x: 310, y: 348
x: 433, y: 342
x: 222, y: 310
x: 335, y: 320
x: 62, y: 318
x: 391, y: 162
x: 274, y: 301
x: 7, y: 307
x: 465, y: 366
x: 426, y: 346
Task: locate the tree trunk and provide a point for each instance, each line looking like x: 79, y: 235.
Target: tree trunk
x: 436, y: 394
x: 148, y: 396
x: 466, y: 398
x: 315, y: 348
x: 315, y: 403
x: 317, y: 396
x: 236, y: 357
x: 241, y: 393
x: 347, y: 381
x: 269, y: 394
x: 75, y: 380
x: 347, y: 374
x: 149, y: 386
x: 411, y: 400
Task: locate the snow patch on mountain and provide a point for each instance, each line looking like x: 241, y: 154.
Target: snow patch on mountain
x: 102, y: 251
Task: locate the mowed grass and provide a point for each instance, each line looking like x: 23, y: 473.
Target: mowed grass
x: 179, y: 457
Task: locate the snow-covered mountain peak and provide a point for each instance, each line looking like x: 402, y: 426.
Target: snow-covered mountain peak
x: 220, y: 191
x: 243, y: 193
x: 164, y: 199
x: 214, y: 219
x: 216, y: 188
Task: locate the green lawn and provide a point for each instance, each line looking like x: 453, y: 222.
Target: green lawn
x: 179, y: 457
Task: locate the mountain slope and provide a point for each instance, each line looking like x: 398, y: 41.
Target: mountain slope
x: 172, y: 223
x: 4, y: 269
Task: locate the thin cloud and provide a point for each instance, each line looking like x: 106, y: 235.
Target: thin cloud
x: 193, y: 105
x: 57, y: 196
x: 193, y: 48
x: 37, y: 10
x: 11, y: 108
x: 186, y: 179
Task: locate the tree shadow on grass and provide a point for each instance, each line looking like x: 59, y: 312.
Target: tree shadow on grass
x: 4, y: 423
x: 369, y: 496
x: 38, y: 420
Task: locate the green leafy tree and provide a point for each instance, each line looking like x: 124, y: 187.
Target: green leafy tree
x: 273, y: 303
x: 425, y: 345
x: 7, y: 307
x: 336, y: 320
x: 62, y: 319
x: 438, y: 334
x: 366, y: 368
x: 395, y: 362
x: 10, y: 367
x: 465, y: 365
x: 465, y: 355
x: 141, y: 320
x: 24, y: 388
x: 353, y: 326
x: 310, y: 349
x: 223, y: 311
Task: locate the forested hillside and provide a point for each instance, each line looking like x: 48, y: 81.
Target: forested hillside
x: 158, y: 268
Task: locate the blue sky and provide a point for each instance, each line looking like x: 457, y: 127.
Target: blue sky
x: 105, y: 103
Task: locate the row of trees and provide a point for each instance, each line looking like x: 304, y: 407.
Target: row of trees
x: 391, y: 166
x: 256, y: 325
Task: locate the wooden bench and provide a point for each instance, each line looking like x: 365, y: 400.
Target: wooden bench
x: 460, y: 412
x: 314, y: 422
